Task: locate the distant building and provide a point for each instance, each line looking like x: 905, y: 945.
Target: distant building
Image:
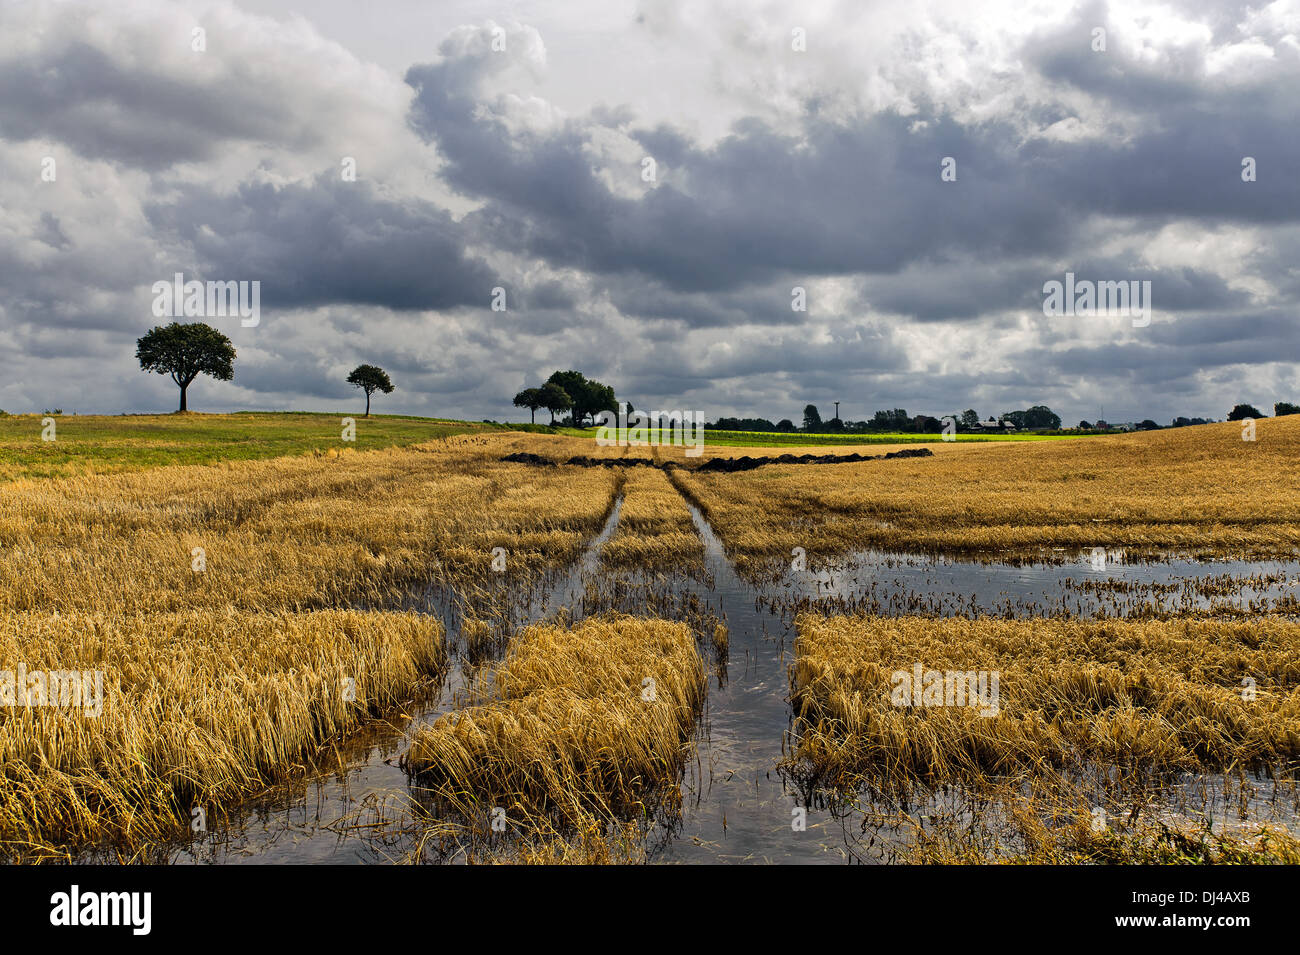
x: 994, y: 424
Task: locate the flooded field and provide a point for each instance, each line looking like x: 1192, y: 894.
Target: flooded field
x: 736, y: 803
x: 472, y: 651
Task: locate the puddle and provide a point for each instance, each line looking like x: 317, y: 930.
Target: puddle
x: 890, y: 584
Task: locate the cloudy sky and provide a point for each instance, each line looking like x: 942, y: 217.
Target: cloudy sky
x: 510, y: 145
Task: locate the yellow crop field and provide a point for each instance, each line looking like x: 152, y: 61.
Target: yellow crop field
x: 1199, y: 490
x: 1165, y: 695
x: 192, y: 710
x: 1027, y: 716
x: 223, y: 604
x: 527, y: 621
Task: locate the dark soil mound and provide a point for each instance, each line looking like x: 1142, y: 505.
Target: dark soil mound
x: 723, y: 465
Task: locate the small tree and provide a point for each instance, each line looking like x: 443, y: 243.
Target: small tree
x: 812, y: 419
x: 969, y: 419
x: 185, y: 352
x: 1245, y: 411
x: 530, y: 398
x: 370, y: 378
x: 554, y: 399
x: 1285, y: 408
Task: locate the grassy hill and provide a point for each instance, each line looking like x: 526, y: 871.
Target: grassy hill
x: 97, y: 444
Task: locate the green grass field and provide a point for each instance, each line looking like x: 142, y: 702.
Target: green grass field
x: 97, y: 444
x: 103, y: 443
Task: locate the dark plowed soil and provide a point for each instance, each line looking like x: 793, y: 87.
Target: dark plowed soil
x: 726, y: 465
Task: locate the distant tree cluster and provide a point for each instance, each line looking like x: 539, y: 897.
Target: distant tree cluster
x: 569, y: 391
x: 745, y: 424
x: 1239, y: 412
x: 1037, y: 418
x: 550, y: 396
x: 892, y: 420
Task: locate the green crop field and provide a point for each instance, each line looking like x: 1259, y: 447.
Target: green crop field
x: 85, y: 444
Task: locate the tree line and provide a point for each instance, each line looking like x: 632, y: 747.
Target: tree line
x: 569, y: 391
x: 1035, y: 418
x: 185, y: 351
x: 895, y: 421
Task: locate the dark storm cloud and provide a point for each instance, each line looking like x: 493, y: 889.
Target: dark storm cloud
x: 106, y: 108
x: 944, y: 291
x: 1209, y: 343
x: 833, y: 200
x: 327, y: 241
x: 1106, y: 165
x: 1193, y: 133
x: 303, y: 377
x: 866, y: 198
x: 1227, y: 338
x: 76, y: 285
x: 650, y: 300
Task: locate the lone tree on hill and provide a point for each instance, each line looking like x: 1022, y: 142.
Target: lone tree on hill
x: 370, y: 378
x: 1245, y: 411
x: 530, y: 398
x: 185, y: 352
